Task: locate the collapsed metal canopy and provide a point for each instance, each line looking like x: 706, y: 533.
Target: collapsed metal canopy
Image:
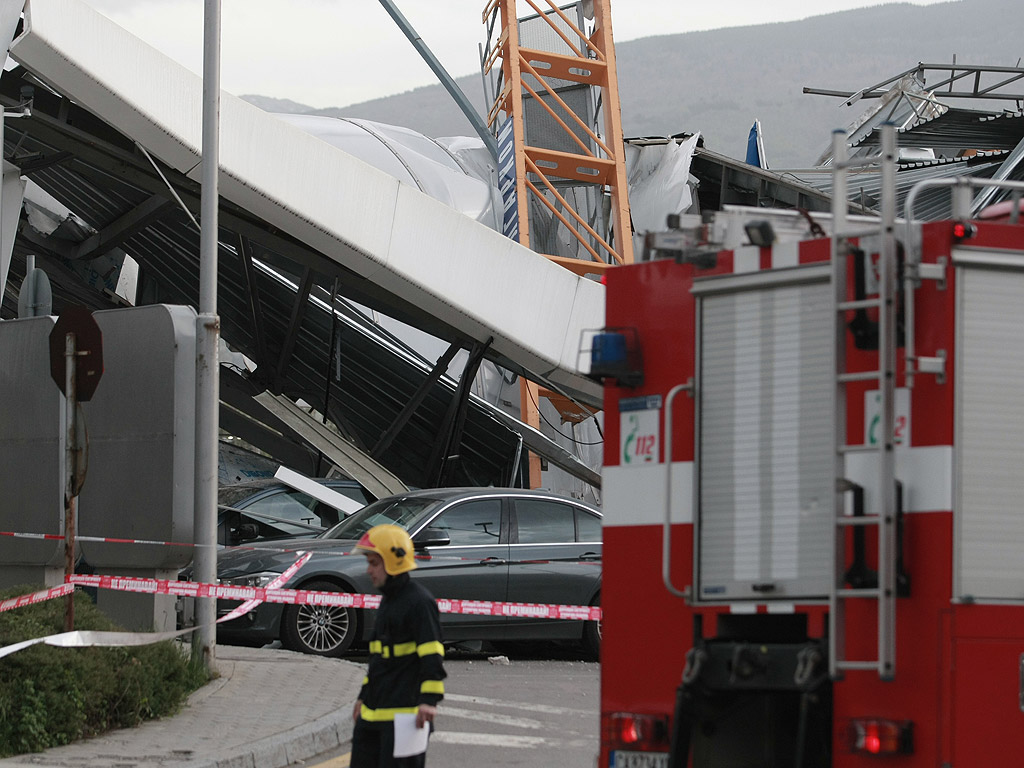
x: 298, y: 217
x: 397, y: 246
x: 937, y: 136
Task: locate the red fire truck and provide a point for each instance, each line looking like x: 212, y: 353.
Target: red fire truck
x: 814, y: 494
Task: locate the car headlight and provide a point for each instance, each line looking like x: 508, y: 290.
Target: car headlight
x: 251, y: 579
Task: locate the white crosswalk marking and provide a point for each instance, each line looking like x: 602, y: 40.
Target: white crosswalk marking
x: 488, y: 717
x: 547, y: 710
x: 506, y: 740
x: 532, y: 712
x: 486, y: 739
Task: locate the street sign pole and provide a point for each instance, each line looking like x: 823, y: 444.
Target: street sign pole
x: 76, y: 365
x: 70, y: 465
x: 207, y: 336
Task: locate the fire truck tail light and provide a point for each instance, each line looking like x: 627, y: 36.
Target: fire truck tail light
x: 963, y: 230
x: 877, y: 736
x: 642, y: 733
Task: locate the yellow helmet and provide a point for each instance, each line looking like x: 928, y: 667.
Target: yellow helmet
x: 393, y: 545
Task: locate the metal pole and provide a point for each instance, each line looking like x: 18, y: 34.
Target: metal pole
x: 840, y: 201
x: 5, y: 259
x: 207, y: 335
x: 10, y: 15
x: 446, y: 79
x: 330, y: 365
x: 70, y: 471
x: 887, y: 409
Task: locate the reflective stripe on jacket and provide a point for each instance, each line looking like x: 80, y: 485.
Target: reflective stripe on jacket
x: 406, y: 666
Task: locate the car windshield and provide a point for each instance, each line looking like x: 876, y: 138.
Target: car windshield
x: 403, y: 511
x: 229, y: 495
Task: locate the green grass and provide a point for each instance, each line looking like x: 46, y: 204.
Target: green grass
x: 54, y: 696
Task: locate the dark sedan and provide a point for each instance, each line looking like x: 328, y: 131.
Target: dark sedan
x: 489, y: 544
x: 267, y: 508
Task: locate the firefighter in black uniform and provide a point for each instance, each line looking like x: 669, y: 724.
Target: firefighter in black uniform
x: 406, y: 670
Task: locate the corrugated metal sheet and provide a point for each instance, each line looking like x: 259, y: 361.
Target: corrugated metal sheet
x: 959, y: 129
x: 865, y: 184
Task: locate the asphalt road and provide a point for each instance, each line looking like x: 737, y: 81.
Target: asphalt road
x: 528, y: 707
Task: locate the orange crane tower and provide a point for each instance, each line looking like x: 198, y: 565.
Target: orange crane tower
x: 536, y: 171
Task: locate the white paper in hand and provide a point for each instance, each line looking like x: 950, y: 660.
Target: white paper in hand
x: 410, y: 740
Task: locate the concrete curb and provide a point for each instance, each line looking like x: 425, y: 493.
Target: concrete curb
x: 286, y: 748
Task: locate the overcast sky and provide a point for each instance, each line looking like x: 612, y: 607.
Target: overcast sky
x: 332, y: 53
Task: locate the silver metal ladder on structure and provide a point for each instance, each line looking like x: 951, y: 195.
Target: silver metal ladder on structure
x: 885, y: 518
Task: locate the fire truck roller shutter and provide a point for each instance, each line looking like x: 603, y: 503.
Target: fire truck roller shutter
x: 765, y: 453
x: 989, y: 526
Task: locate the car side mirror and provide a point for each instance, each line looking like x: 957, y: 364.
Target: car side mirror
x: 431, y: 537
x: 247, y: 531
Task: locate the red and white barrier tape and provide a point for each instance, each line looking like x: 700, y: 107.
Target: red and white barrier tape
x: 105, y: 539
x: 79, y: 639
x: 253, y: 596
x: 338, y: 599
x: 87, y: 638
x: 248, y: 605
x: 36, y: 597
x: 83, y: 639
x: 268, y: 548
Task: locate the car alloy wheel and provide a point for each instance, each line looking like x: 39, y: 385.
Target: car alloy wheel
x: 319, y: 629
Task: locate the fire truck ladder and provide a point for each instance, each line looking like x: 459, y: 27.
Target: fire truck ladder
x: 884, y: 519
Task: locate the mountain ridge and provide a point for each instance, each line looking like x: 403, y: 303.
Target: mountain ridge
x: 718, y: 82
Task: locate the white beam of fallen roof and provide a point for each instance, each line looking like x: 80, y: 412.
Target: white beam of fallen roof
x: 474, y: 278
x: 318, y: 491
x: 357, y: 464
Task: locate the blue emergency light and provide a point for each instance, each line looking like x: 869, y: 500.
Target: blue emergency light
x: 615, y: 354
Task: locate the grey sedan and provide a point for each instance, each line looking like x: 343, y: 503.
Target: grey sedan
x: 505, y: 545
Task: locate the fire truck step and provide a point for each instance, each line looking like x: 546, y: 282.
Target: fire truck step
x: 858, y: 448
x: 858, y: 376
x: 873, y: 593
x: 844, y: 306
x: 859, y: 664
x: 860, y: 520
